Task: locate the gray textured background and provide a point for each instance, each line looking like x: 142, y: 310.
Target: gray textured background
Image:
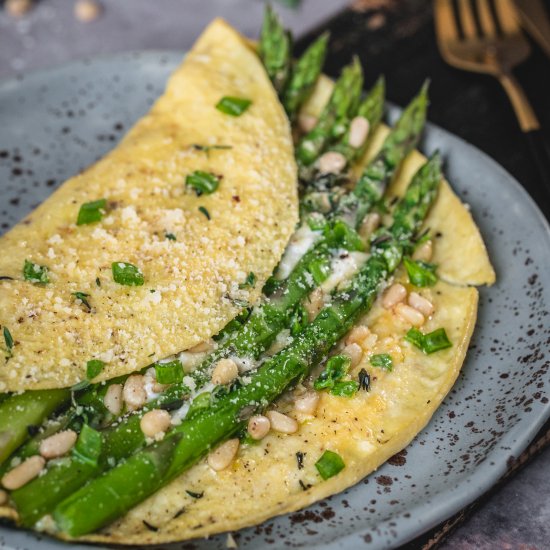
x: 517, y: 516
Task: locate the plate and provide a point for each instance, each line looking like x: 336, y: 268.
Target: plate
x: 55, y: 123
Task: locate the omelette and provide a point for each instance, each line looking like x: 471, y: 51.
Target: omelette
x: 121, y: 345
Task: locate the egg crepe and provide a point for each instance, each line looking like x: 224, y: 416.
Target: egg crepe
x: 195, y: 252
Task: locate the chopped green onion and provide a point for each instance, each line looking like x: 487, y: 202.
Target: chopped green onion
x: 336, y: 368
x: 249, y: 282
x: 35, y: 273
x: 420, y: 274
x: 170, y: 236
x: 329, y: 464
x: 233, y: 106
x: 88, y: 446
x: 169, y: 373
x: 347, y: 388
x: 91, y: 212
x: 94, y: 368
x: 431, y: 342
x: 202, y: 182
x: 127, y: 274
x: 340, y: 235
x: 382, y: 361
x: 83, y: 297
x: 204, y: 211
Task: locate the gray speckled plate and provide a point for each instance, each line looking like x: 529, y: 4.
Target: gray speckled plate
x: 54, y: 123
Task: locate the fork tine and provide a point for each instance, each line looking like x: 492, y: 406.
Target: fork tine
x: 506, y: 14
x: 486, y: 20
x: 445, y: 23
x: 467, y: 18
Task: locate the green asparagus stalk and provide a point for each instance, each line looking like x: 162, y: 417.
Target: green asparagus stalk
x: 304, y: 76
x: 115, y: 492
x: 275, y: 50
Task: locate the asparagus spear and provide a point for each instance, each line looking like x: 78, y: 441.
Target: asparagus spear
x: 275, y: 50
x: 304, y: 76
x: 118, y: 490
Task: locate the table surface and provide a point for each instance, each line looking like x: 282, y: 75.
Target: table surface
x: 397, y: 40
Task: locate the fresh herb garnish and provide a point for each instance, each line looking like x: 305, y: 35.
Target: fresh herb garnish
x: 169, y: 373
x: 329, y: 464
x: 249, y: 282
x: 431, y: 342
x: 91, y: 212
x: 192, y: 494
x: 364, y: 380
x: 94, y: 368
x: 8, y: 339
x: 340, y: 235
x: 127, y: 274
x: 204, y: 211
x: 83, y: 297
x: 35, y: 273
x: 233, y: 106
x: 300, y: 459
x: 420, y: 274
x: 347, y: 388
x: 88, y: 446
x: 336, y: 368
x: 319, y: 268
x: 202, y: 182
x: 382, y: 361
x: 170, y: 236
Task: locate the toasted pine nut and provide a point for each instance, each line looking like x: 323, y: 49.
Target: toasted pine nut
x: 113, y: 399
x: 421, y: 304
x: 369, y: 225
x: 358, y: 131
x: 25, y: 472
x: 87, y: 10
x: 154, y: 422
x: 225, y: 372
x: 424, y: 252
x: 258, y: 426
x: 307, y: 122
x: 307, y: 402
x: 282, y: 423
x: 357, y: 334
x: 314, y: 303
x: 394, y: 295
x: 134, y: 392
x: 409, y: 314
x: 3, y: 497
x: 223, y: 456
x: 332, y: 162
x: 58, y: 444
x: 354, y: 352
x: 202, y: 347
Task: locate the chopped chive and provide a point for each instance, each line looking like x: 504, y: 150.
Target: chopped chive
x: 88, y: 446
x: 83, y: 297
x: 35, y: 273
x: 169, y: 373
x: 233, y: 106
x: 347, y: 388
x: 364, y: 380
x: 204, y: 211
x: 127, y: 274
x: 192, y: 494
x: 91, y: 212
x: 329, y: 464
x: 249, y: 282
x: 94, y: 368
x: 170, y: 236
x: 202, y: 182
x: 420, y: 274
x: 431, y: 342
x: 8, y: 339
x: 382, y: 361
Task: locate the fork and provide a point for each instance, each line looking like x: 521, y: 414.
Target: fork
x: 494, y: 46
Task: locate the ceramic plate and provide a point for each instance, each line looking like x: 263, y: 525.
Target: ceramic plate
x: 55, y: 123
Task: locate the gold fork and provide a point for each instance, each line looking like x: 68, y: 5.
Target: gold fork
x: 495, y: 51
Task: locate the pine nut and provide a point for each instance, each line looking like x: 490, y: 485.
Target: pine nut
x: 155, y: 422
x: 113, y: 399
x: 134, y: 393
x: 282, y: 423
x: 358, y: 131
x: 58, y: 444
x: 421, y: 304
x: 409, y: 314
x: 223, y: 456
x: 369, y: 225
x: 394, y: 295
x: 225, y: 372
x: 25, y: 472
x: 315, y: 302
x: 202, y: 347
x: 332, y: 162
x: 354, y: 352
x: 3, y: 497
x: 258, y: 426
x: 306, y: 123
x: 307, y: 403
x: 424, y: 252
x: 87, y: 10
x: 357, y: 335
